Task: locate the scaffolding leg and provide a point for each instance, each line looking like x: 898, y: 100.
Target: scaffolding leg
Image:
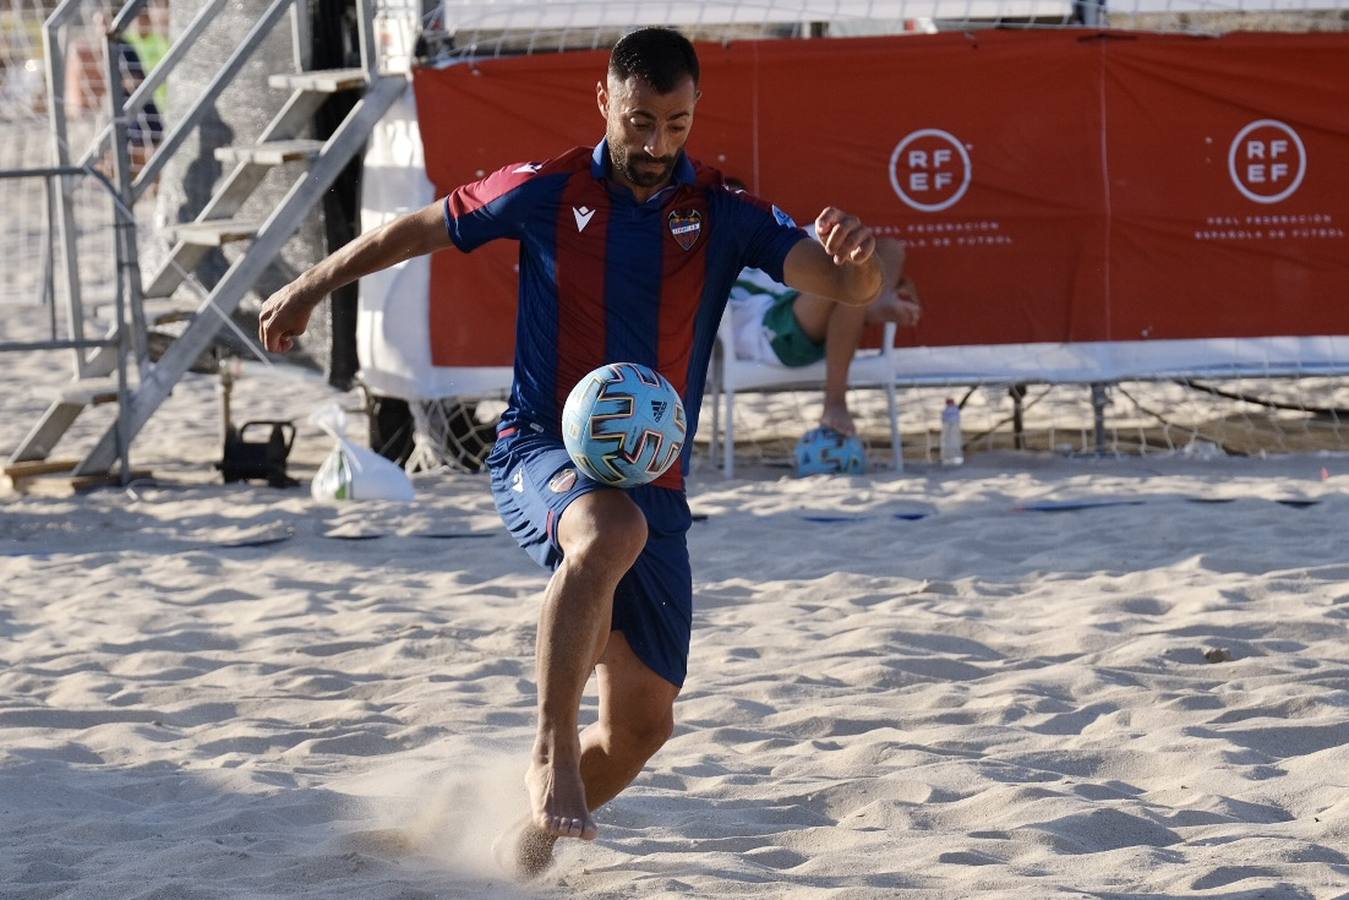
x: 1098, y: 404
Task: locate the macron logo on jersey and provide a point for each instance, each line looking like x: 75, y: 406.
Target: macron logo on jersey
x: 583, y: 216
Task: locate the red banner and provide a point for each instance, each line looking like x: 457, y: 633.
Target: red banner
x: 1228, y: 186
x: 1052, y: 186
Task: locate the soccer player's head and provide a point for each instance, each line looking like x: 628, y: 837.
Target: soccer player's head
x: 647, y: 100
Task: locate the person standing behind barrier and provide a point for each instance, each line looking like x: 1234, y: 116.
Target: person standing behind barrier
x: 86, y: 84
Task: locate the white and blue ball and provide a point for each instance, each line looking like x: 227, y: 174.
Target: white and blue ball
x: 623, y: 424
x: 824, y: 451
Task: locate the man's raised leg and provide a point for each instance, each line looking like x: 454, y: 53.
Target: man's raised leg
x: 601, y: 534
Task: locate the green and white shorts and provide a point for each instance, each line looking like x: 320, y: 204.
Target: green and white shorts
x: 765, y: 326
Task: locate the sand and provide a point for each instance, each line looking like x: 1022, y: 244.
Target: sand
x: 912, y: 685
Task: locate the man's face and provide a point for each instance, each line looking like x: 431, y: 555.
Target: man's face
x: 646, y: 129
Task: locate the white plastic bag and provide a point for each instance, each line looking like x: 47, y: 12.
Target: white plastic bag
x: 352, y: 472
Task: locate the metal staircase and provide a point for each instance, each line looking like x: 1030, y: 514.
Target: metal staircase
x: 215, y: 225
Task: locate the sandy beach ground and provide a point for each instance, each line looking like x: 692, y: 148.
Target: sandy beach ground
x: 912, y: 685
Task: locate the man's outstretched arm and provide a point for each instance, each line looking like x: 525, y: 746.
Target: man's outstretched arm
x: 842, y: 265
x: 286, y: 313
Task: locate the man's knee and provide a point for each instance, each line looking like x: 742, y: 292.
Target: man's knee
x: 813, y: 314
x: 641, y: 736
x: 603, y: 528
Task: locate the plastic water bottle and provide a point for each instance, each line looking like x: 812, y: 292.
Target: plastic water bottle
x: 951, y: 451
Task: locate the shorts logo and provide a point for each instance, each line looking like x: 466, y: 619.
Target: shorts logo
x: 1267, y: 161
x: 518, y: 481
x: 686, y: 225
x: 930, y: 170
x: 563, y: 481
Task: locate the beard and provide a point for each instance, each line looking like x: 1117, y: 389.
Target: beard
x: 628, y: 164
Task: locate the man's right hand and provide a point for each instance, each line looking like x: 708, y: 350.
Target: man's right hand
x: 284, y: 317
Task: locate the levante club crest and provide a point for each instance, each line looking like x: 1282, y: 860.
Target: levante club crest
x: 686, y: 225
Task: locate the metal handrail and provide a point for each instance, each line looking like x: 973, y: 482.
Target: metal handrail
x: 128, y: 187
x: 58, y: 172
x: 118, y: 339
x: 54, y: 55
x: 126, y: 16
x: 18, y: 346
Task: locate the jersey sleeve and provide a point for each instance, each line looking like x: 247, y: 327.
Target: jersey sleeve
x: 767, y: 232
x: 495, y: 207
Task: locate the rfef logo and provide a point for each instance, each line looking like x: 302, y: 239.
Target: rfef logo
x: 1267, y: 161
x: 930, y: 169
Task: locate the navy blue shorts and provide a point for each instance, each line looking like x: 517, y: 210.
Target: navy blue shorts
x: 533, y: 482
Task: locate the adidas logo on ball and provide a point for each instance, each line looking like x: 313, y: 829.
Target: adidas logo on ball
x: 658, y: 408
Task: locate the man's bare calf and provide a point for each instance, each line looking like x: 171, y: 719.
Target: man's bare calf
x: 601, y: 534
x: 571, y: 775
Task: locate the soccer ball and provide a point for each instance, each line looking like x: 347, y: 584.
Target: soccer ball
x: 823, y: 451
x: 623, y: 424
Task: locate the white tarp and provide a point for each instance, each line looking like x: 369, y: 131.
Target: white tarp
x: 392, y: 337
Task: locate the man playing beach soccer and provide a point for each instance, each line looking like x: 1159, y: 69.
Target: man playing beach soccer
x: 628, y: 251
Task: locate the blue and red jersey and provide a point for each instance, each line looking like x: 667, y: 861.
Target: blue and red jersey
x: 605, y: 279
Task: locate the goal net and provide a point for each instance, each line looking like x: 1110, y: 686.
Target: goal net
x: 1251, y: 410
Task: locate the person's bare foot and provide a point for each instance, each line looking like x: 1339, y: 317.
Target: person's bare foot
x: 524, y: 851
x: 557, y: 800
x: 837, y: 417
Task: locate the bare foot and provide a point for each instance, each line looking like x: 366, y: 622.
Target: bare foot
x: 524, y: 851
x: 837, y: 417
x: 557, y: 800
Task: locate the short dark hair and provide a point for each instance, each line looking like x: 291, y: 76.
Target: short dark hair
x: 659, y: 56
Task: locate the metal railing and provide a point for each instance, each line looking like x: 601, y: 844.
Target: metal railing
x: 117, y: 342
x: 131, y: 186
